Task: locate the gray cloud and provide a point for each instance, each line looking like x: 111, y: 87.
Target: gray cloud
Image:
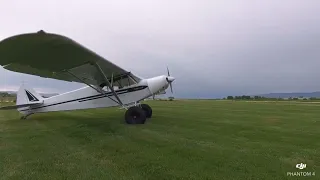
x: 213, y: 48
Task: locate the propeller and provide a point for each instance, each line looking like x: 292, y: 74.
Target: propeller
x: 170, y: 79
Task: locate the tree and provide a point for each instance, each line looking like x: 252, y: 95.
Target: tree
x: 237, y: 97
x: 230, y: 97
x: 4, y: 94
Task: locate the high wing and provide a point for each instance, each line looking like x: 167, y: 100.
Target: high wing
x: 59, y: 57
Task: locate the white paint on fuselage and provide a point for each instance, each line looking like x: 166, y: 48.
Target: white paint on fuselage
x: 87, y: 97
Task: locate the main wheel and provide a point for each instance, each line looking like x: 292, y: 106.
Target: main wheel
x: 135, y: 115
x: 147, y: 109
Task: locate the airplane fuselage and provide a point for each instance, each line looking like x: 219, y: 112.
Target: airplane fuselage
x: 87, y: 97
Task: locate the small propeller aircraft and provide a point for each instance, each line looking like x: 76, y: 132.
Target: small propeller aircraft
x: 58, y: 57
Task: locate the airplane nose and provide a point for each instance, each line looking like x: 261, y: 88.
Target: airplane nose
x: 170, y: 79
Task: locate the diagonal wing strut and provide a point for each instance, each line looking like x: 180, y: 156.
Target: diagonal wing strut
x: 99, y: 91
x: 108, y: 83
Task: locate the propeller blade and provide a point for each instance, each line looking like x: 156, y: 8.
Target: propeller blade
x: 170, y: 82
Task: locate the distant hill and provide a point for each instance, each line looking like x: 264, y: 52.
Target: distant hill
x: 288, y: 95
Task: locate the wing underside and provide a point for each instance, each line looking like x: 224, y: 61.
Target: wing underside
x: 58, y: 57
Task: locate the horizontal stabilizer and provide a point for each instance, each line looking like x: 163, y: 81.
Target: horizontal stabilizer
x: 18, y: 106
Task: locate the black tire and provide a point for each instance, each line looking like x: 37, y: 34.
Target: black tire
x: 147, y: 109
x: 135, y: 115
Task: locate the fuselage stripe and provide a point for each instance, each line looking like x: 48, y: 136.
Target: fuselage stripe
x: 98, y: 96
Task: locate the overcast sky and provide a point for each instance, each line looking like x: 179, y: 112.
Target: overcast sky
x: 214, y: 48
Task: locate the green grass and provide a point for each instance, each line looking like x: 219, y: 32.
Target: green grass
x: 184, y: 140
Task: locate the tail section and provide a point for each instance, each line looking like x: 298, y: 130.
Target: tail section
x: 27, y: 95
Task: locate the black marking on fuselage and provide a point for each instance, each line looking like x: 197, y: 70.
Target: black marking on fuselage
x: 31, y: 97
x: 98, y: 96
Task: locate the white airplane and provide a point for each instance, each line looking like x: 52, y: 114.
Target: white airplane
x: 54, y: 56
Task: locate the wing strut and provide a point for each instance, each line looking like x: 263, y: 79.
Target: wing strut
x: 99, y: 91
x: 133, y: 79
x: 108, y: 84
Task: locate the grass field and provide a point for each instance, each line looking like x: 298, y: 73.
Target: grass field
x: 184, y: 140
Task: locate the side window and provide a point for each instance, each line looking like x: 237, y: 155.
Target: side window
x: 105, y: 88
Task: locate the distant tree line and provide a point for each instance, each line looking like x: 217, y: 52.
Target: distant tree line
x: 244, y: 97
x: 6, y: 97
x: 5, y: 94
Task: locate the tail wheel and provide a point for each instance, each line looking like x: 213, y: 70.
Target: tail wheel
x: 135, y: 115
x: 147, y: 109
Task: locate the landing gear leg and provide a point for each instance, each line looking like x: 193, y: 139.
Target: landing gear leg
x: 25, y: 116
